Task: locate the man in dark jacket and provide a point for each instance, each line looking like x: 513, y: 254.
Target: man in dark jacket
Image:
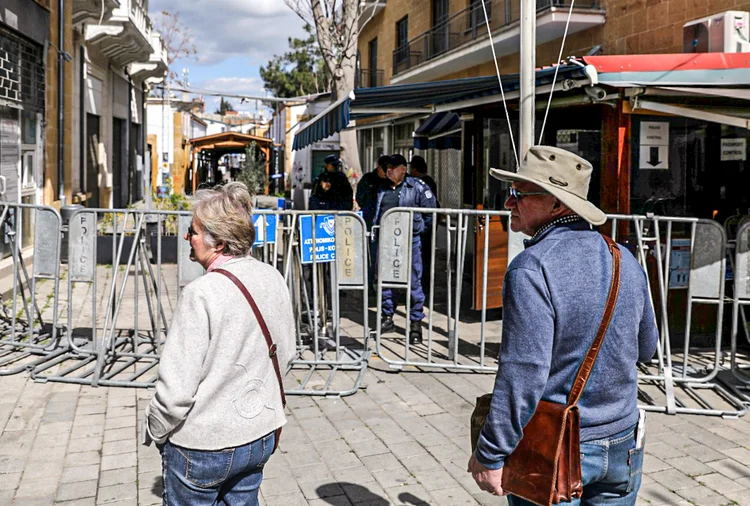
x: 342, y: 190
x: 368, y: 189
x: 406, y: 191
x: 418, y: 169
x: 324, y: 198
x: 553, y: 301
x: 367, y: 200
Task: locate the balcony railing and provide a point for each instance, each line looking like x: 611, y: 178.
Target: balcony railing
x: 367, y: 78
x: 466, y: 26
x: 139, y: 17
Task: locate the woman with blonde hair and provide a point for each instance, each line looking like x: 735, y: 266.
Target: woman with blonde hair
x: 219, y: 400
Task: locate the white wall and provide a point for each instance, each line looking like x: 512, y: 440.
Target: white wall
x: 214, y: 127
x: 161, y: 124
x: 197, y: 129
x: 300, y: 162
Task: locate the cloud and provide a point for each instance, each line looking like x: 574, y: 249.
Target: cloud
x: 255, y: 29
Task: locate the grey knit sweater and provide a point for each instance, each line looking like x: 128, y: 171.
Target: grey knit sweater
x: 217, y: 387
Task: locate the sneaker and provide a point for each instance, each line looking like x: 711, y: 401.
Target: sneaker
x: 386, y: 324
x: 415, y: 333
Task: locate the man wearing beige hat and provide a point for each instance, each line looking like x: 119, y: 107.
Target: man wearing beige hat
x: 554, y: 296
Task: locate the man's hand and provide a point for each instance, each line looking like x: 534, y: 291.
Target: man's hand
x: 489, y: 480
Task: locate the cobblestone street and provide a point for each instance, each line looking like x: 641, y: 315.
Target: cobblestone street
x: 402, y: 440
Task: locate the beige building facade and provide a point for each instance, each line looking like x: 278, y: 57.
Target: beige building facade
x: 427, y: 40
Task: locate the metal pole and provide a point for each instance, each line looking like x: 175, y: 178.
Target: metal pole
x: 526, y: 102
x: 528, y: 77
x: 61, y: 103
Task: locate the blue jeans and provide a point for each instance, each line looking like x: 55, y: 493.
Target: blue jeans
x: 417, y: 294
x: 231, y: 476
x: 611, y: 471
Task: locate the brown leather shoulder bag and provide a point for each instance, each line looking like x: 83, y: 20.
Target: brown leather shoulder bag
x: 545, y: 467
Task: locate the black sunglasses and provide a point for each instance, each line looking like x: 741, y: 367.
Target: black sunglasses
x: 191, y: 231
x: 518, y: 195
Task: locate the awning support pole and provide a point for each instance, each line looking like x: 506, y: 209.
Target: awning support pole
x: 527, y: 77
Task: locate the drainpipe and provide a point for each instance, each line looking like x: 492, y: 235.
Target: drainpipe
x: 83, y: 174
x: 128, y: 161
x: 142, y: 139
x: 61, y: 103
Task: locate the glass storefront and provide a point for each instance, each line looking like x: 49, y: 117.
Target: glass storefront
x: 690, y: 168
x: 579, y: 132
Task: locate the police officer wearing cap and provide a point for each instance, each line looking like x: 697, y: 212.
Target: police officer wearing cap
x: 406, y: 191
x: 341, y: 190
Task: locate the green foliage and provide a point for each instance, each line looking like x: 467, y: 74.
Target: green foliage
x: 107, y: 224
x: 174, y: 202
x: 224, y: 106
x: 253, y: 172
x: 300, y: 71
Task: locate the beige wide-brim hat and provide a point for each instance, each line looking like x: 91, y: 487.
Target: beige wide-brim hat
x: 561, y: 173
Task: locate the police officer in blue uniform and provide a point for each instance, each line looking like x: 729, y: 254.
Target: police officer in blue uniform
x: 406, y: 191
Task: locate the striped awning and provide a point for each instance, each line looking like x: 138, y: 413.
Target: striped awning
x: 439, y: 131
x: 332, y: 120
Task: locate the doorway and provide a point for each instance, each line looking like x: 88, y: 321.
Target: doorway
x: 119, y: 191
x: 92, y: 160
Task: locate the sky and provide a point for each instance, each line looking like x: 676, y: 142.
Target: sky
x: 234, y: 38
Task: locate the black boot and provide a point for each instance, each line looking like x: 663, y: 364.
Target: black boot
x: 415, y: 333
x: 386, y: 324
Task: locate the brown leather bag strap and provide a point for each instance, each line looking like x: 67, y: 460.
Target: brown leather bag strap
x: 264, y: 328
x: 609, y: 309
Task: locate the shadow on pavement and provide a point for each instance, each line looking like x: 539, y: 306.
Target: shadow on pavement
x: 333, y: 493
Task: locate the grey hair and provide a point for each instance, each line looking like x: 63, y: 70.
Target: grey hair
x: 226, y: 215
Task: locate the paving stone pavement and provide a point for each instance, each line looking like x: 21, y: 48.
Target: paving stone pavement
x: 402, y: 440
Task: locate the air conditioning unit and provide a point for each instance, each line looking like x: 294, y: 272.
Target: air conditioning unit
x: 728, y: 32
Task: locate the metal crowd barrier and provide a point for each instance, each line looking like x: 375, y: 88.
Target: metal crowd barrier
x: 448, y: 246
x: 692, y: 385
x: 740, y: 298
x: 115, y: 269
x: 29, y: 332
x: 332, y: 360
x: 469, y: 341
x: 107, y: 328
x: 124, y: 270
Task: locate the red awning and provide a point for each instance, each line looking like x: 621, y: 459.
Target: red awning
x: 668, y: 62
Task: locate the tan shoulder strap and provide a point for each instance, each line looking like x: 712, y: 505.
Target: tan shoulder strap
x: 588, y: 363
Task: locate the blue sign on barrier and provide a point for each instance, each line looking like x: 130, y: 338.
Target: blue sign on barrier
x: 265, y: 234
x: 325, y: 238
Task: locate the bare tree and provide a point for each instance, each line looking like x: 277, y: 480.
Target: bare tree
x: 177, y: 38
x: 336, y: 24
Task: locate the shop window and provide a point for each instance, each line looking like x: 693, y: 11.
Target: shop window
x: 28, y: 127
x: 671, y: 176
x: 318, y: 164
x: 403, y: 141
x: 27, y: 228
x: 378, y: 142
x: 27, y: 169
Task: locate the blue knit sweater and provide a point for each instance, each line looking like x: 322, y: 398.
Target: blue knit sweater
x: 554, y: 296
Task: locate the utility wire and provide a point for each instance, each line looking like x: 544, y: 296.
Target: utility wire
x: 500, y: 80
x: 213, y: 93
x: 557, y: 68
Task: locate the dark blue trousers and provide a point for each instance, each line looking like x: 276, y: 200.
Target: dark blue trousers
x: 417, y: 294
